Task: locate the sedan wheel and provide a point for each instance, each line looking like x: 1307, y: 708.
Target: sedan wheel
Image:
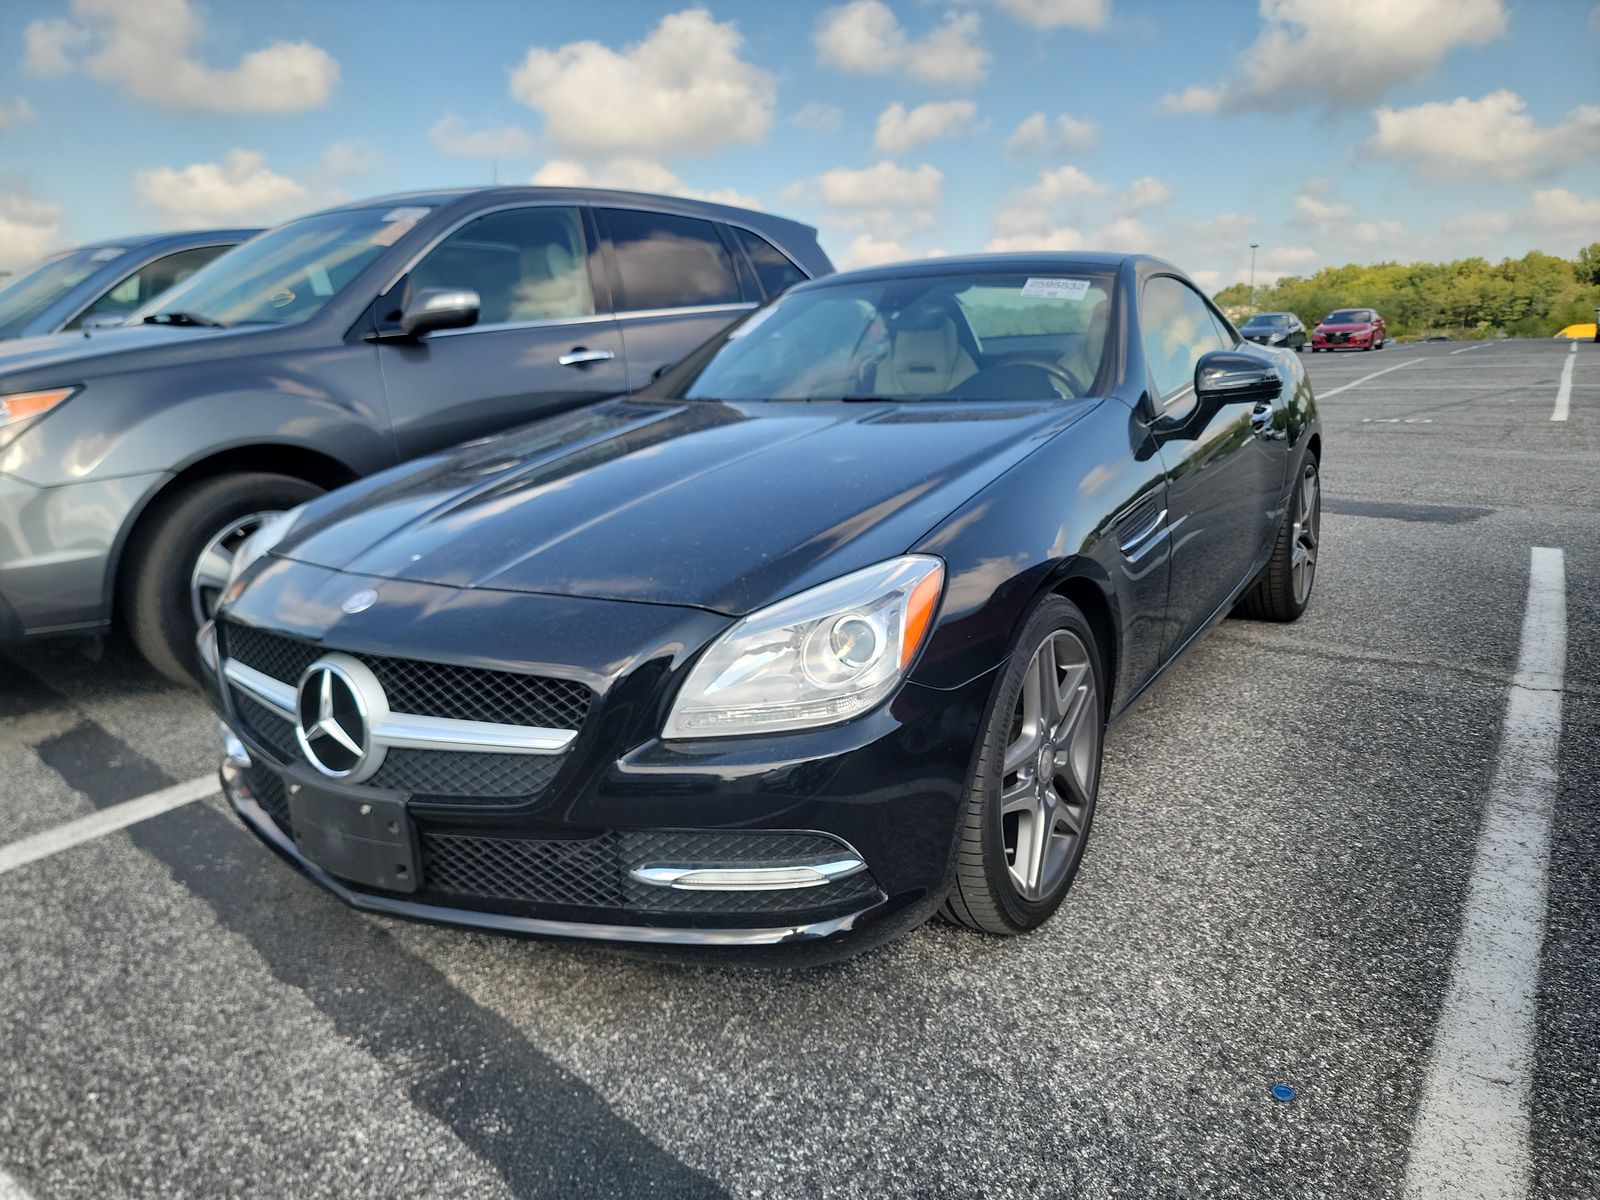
x: 1284, y: 589
x: 1033, y: 797
x: 215, y: 564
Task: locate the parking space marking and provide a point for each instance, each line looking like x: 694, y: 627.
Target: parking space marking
x: 102, y: 822
x: 1364, y: 378
x: 1564, y: 392
x: 1464, y: 349
x: 1472, y: 1127
x: 10, y: 1189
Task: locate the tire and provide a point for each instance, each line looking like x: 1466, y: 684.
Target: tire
x: 991, y: 892
x: 1284, y: 589
x: 160, y: 564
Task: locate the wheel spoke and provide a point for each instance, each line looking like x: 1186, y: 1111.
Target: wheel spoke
x: 1019, y: 797
x: 1048, y: 671
x: 1021, y: 751
x: 212, y: 569
x: 1039, y: 825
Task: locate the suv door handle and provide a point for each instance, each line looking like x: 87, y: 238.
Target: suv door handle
x: 578, y: 356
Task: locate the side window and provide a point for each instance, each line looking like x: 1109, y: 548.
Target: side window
x: 149, y: 281
x: 667, y: 261
x: 1178, y: 329
x: 772, y: 265
x: 526, y: 264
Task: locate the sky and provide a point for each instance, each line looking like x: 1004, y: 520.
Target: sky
x: 1325, y: 131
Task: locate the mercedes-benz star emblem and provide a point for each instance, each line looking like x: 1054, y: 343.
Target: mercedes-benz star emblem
x: 338, y: 702
x: 359, y: 602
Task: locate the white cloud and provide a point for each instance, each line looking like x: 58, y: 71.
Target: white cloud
x: 1563, y: 214
x: 1478, y: 224
x: 883, y: 184
x: 29, y: 228
x: 1227, y: 228
x: 818, y: 118
x: 1344, y: 54
x: 1048, y: 14
x: 1207, y: 279
x: 1277, y: 261
x: 683, y: 88
x: 1036, y: 132
x: 147, y: 49
x: 1050, y: 238
x: 240, y: 188
x: 1193, y: 99
x: 450, y: 135
x: 1146, y: 192
x: 635, y: 175
x: 1318, y: 211
x: 864, y: 37
x: 346, y: 158
x: 1127, y: 234
x: 16, y: 111
x: 869, y: 251
x: 1491, y: 136
x: 900, y: 129
x: 1031, y: 218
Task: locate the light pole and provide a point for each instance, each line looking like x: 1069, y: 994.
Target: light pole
x: 1253, y: 246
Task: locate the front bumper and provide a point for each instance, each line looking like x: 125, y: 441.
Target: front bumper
x: 56, y: 551
x: 596, y: 853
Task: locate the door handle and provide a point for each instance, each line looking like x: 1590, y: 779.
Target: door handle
x: 579, y: 356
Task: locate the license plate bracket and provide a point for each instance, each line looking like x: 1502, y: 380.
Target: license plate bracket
x: 365, y: 838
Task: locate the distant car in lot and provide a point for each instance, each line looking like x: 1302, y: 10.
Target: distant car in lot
x: 1349, y: 329
x: 816, y: 635
x: 1275, y: 329
x: 134, y: 461
x: 104, y: 282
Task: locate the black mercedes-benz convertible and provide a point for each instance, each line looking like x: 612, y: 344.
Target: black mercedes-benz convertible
x: 815, y: 637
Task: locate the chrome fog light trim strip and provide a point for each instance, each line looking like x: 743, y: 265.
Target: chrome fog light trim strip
x: 274, y: 693
x: 748, y: 879
x: 233, y: 747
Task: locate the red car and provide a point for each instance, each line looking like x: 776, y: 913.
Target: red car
x: 1349, y: 329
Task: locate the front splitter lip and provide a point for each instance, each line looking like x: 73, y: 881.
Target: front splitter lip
x: 256, y: 818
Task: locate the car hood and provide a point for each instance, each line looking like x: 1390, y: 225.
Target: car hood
x: 724, y: 506
x: 65, y: 351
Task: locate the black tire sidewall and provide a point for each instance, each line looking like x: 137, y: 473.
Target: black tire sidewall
x: 161, y: 558
x: 1053, y: 613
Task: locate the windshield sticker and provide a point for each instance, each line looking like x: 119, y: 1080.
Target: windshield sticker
x: 409, y: 215
x: 1056, y: 289
x: 388, y: 235
x: 317, y: 275
x: 106, y: 254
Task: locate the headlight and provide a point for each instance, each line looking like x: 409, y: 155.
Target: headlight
x: 818, y: 658
x: 20, y: 406
x: 259, y: 542
x: 1277, y: 337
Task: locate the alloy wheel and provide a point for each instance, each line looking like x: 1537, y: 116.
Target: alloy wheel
x: 1048, y: 777
x: 1307, y: 525
x: 211, y: 569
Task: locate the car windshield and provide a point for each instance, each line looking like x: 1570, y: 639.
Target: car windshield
x: 1267, y: 321
x: 1346, y: 316
x: 1006, y: 336
x: 286, y: 274
x: 39, y: 287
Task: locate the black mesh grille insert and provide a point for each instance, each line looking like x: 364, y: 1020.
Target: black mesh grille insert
x: 267, y: 725
x: 579, y: 872
x: 462, y: 773
x: 267, y: 788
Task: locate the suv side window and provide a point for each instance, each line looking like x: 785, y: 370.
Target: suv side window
x: 149, y: 281
x: 667, y: 261
x: 526, y: 264
x: 772, y: 265
x: 1178, y: 329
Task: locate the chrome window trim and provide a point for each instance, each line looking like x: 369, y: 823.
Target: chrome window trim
x: 598, y: 318
x: 405, y: 731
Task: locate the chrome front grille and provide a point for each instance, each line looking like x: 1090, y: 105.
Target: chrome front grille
x: 456, y: 734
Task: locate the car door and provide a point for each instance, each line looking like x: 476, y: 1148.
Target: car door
x: 545, y: 339
x: 675, y: 285
x: 1222, y: 478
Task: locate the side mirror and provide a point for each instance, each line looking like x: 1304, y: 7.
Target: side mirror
x: 1229, y: 377
x: 439, y: 308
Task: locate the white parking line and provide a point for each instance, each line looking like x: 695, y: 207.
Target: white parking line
x: 1464, y: 349
x: 1364, y: 378
x: 1564, y: 392
x: 10, y: 1189
x: 98, y: 824
x: 1471, y: 1132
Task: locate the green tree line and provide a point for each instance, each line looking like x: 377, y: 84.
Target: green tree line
x: 1536, y: 295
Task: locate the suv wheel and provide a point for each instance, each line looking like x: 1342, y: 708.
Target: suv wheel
x: 177, y: 564
x: 1032, y: 796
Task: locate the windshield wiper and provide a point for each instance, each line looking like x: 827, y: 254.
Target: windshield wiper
x: 874, y: 399
x: 182, y: 318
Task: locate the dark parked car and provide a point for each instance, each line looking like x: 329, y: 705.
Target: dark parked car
x: 134, y: 461
x: 104, y: 282
x: 1275, y: 329
x: 1349, y: 329
x: 813, y: 637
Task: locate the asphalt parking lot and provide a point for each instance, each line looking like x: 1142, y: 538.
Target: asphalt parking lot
x: 1282, y: 872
